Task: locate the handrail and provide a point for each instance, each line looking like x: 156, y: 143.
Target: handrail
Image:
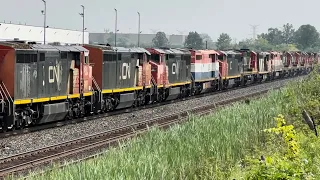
x: 153, y: 80
x: 96, y: 84
x: 98, y: 88
x: 6, y: 94
x: 2, y: 102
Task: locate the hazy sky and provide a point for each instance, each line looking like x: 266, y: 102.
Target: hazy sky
x: 204, y: 16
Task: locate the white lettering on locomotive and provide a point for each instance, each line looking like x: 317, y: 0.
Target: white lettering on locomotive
x: 174, y: 68
x: 125, y: 69
x: 55, y: 73
x: 230, y: 65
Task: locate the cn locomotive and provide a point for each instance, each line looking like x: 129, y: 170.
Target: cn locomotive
x: 45, y: 83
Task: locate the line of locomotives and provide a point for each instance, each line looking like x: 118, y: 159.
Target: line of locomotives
x: 45, y: 83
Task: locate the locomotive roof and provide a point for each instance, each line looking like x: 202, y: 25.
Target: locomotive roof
x: 119, y: 49
x: 172, y: 51
x: 208, y: 51
x: 140, y: 50
x: 46, y: 47
x: 133, y: 50
x: 160, y: 50
x: 15, y: 45
x: 102, y: 47
x: 264, y: 53
x: 275, y: 52
x: 184, y: 50
x: 230, y: 52
x: 177, y: 51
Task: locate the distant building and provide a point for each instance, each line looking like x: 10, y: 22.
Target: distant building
x: 102, y: 38
x: 35, y: 33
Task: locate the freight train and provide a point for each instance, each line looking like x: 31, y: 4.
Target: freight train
x: 45, y: 83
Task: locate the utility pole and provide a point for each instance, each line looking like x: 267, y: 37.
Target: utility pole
x: 254, y: 31
x: 115, y: 29
x: 139, y: 30
x: 44, y: 13
x: 82, y: 14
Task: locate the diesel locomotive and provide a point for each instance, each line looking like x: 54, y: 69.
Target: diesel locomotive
x: 47, y: 83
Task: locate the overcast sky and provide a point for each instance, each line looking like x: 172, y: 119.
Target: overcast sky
x: 204, y: 16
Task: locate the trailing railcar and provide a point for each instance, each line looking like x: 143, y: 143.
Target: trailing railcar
x: 205, y: 70
x: 277, y: 66
x: 177, y: 67
x: 173, y: 71
x: 43, y: 83
x: 122, y: 76
x: 249, y: 64
x: 287, y: 63
x: 264, y: 66
x: 230, y: 68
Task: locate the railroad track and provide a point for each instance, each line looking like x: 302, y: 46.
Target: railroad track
x: 122, y: 111
x: 26, y: 161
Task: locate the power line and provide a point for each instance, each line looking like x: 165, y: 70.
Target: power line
x: 254, y: 31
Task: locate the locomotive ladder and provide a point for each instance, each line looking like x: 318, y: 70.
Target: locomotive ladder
x: 98, y: 88
x: 5, y: 96
x: 193, y: 82
x: 143, y: 77
x: 2, y: 102
x: 154, y: 88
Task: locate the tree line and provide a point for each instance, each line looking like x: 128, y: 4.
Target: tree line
x: 286, y: 38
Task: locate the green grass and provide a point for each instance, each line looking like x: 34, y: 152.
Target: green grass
x: 205, y: 147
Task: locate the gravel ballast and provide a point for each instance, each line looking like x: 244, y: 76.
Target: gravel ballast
x: 35, y: 140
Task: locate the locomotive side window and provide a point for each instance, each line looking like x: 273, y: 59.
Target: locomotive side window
x: 42, y: 57
x: 26, y: 58
x: 213, y: 57
x: 33, y: 58
x: 109, y: 57
x: 63, y: 55
x: 20, y: 58
x: 86, y: 60
x: 187, y: 58
x: 198, y: 57
x: 155, y: 57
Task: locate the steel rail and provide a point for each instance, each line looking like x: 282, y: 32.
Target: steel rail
x: 47, y: 155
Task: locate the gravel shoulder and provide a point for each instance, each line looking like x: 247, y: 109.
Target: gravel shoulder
x: 28, y: 142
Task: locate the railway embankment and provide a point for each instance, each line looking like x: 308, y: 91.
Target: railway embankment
x: 273, y: 137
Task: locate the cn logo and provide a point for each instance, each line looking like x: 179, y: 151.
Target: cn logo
x: 125, y: 69
x: 55, y: 73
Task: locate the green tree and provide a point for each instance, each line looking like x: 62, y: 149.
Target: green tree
x: 207, y: 39
x: 288, y: 34
x: 194, y: 41
x: 307, y: 36
x: 246, y: 44
x: 274, y: 36
x: 224, y: 41
x: 123, y: 42
x: 286, y: 47
x: 110, y: 39
x: 160, y: 40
